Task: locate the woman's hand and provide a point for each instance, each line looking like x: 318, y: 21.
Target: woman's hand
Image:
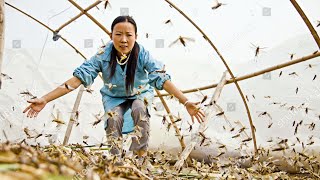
x: 192, y: 108
x: 35, y: 107
x: 195, y: 111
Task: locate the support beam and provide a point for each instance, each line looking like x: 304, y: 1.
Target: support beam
x: 90, y: 17
x: 307, y: 22
x: 2, y: 21
x: 209, y: 111
x: 73, y: 116
x: 79, y: 15
x: 178, y: 132
x: 254, y: 74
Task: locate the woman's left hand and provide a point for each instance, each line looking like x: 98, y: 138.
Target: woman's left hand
x: 195, y: 111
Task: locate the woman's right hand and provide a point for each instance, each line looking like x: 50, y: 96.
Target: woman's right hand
x: 35, y: 107
x: 195, y: 111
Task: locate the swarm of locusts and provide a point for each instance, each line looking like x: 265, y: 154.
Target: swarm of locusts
x: 22, y: 161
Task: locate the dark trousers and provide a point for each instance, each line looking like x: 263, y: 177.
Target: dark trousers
x: 141, y: 120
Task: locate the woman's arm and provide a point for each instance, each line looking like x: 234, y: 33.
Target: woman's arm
x: 38, y: 104
x: 192, y: 108
x: 68, y: 86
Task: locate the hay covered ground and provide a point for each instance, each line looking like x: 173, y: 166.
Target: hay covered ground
x: 21, y: 161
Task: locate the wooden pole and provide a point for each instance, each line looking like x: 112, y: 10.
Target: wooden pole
x: 90, y: 17
x: 178, y: 132
x: 307, y: 22
x: 73, y: 116
x: 28, y: 15
x: 254, y: 74
x: 79, y: 15
x: 208, y: 114
x: 2, y: 21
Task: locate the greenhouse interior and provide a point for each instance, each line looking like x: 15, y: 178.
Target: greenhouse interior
x: 251, y: 67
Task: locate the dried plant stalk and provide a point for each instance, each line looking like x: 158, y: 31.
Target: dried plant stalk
x: 141, y: 174
x: 202, y: 127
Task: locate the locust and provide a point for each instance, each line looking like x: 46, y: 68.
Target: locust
x: 98, y: 119
x: 168, y: 21
x: 182, y: 40
x: 203, y: 138
x: 27, y: 93
x: 65, y: 85
x: 235, y: 136
x: 257, y: 51
x: 57, y: 119
x: 291, y: 55
x: 217, y: 5
x: 265, y: 113
x: 111, y: 114
x: 293, y: 74
x: 190, y: 126
x: 246, y: 140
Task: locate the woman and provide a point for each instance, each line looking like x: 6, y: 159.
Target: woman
x: 130, y: 75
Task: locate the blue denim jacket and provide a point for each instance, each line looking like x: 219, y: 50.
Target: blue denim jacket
x: 113, y: 92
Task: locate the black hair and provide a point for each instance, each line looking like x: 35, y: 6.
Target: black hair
x: 121, y: 19
x: 133, y: 59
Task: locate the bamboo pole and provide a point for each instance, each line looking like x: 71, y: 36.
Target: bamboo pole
x: 73, y: 116
x: 257, y: 73
x: 65, y: 40
x: 307, y: 22
x: 208, y: 114
x: 2, y: 28
x: 229, y: 71
x: 181, y: 140
x: 79, y: 15
x: 90, y: 17
x: 28, y: 15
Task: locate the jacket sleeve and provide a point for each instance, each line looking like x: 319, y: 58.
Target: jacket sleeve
x: 154, y: 68
x: 88, y: 71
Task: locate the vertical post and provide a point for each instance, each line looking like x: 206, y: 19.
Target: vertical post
x: 73, y: 116
x: 178, y: 132
x: 1, y: 37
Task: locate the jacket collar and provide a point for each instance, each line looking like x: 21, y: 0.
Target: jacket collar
x: 106, y: 55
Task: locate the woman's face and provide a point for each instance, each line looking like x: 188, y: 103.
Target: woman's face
x: 124, y: 37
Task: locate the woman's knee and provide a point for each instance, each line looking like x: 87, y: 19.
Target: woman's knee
x: 138, y: 107
x: 114, y: 122
x: 139, y: 110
